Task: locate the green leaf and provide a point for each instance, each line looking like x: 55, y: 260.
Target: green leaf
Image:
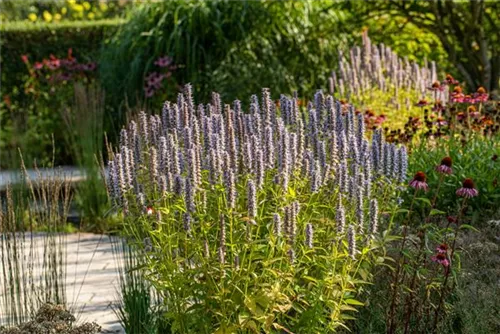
x: 425, y: 200
x: 437, y: 212
x: 469, y: 227
x: 348, y: 308
x: 351, y: 301
x: 251, y: 305
x: 347, y: 317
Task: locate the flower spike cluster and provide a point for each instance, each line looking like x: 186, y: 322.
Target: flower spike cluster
x: 188, y: 152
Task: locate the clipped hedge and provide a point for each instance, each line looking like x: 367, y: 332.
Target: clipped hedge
x: 40, y: 40
x: 28, y: 121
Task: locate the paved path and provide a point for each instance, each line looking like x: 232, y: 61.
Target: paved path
x: 92, y: 278
x: 68, y: 173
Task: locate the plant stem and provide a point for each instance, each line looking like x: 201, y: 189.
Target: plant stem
x: 391, y: 326
x: 448, y: 270
x: 409, y: 301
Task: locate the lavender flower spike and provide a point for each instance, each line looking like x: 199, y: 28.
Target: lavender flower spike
x: 351, y: 242
x: 252, y: 199
x: 309, y: 235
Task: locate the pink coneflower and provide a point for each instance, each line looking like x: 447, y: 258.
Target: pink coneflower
x: 475, y: 114
x: 441, y: 259
x: 149, y: 91
x: 438, y: 106
x: 469, y: 99
x: 436, y: 86
x: 468, y: 190
x: 65, y: 76
x: 442, y: 249
x: 38, y: 65
x: 457, y: 95
x: 441, y: 121
x: 450, y: 80
x: 90, y: 66
x: 445, y: 166
x: 53, y: 64
x: 163, y: 61
x: 422, y: 103
x: 480, y: 95
x: 418, y: 182
x: 380, y: 119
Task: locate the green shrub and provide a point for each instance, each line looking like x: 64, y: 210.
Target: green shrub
x: 205, y: 205
x: 234, y: 47
x: 31, y: 108
x: 40, y: 40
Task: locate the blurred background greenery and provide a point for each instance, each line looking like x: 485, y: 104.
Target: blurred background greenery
x: 143, y: 51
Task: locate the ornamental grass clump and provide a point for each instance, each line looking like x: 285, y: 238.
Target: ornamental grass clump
x: 269, y: 218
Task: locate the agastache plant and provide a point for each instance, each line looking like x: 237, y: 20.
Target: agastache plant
x: 250, y: 200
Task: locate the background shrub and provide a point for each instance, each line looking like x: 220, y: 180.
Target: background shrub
x: 231, y: 46
x: 31, y: 120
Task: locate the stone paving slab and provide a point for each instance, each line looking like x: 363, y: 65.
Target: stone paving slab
x: 92, y: 281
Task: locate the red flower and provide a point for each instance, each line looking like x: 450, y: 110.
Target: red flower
x: 480, y: 95
x: 441, y: 121
x: 436, y: 86
x: 442, y: 249
x: 418, y: 182
x: 468, y: 99
x: 38, y: 65
x: 457, y: 95
x: 438, y: 106
x: 468, y: 190
x: 445, y: 166
x: 422, y: 103
x: 450, y: 80
x: 441, y: 259
x: 163, y: 61
x: 24, y: 58
x: 451, y: 219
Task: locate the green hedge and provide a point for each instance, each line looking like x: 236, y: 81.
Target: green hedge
x: 28, y: 122
x: 39, y: 40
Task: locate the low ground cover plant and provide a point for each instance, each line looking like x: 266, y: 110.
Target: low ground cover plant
x: 260, y: 221
x: 51, y: 318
